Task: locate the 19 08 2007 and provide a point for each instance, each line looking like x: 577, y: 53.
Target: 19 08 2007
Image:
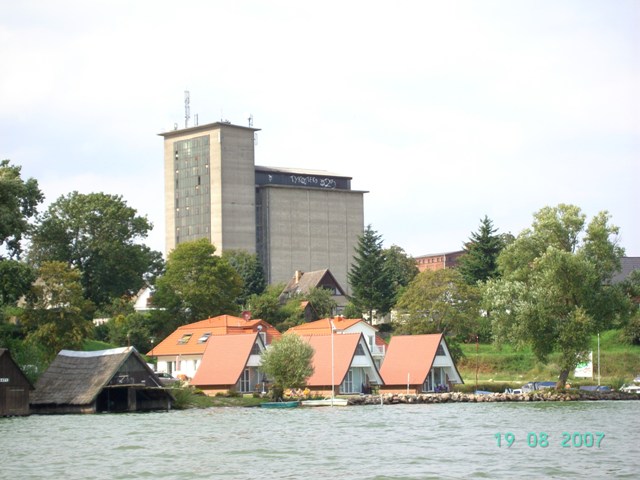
x: 544, y: 440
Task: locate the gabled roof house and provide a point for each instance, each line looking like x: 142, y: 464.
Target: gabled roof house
x: 341, y: 362
x: 376, y: 344
x: 230, y: 363
x: 304, y: 282
x: 418, y: 364
x: 181, y: 352
x: 14, y: 387
x: 114, y: 380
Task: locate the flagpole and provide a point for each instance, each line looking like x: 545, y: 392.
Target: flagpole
x: 598, y: 358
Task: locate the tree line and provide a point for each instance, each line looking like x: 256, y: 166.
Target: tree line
x: 84, y: 258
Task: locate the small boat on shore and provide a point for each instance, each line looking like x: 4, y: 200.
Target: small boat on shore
x: 293, y: 404
x: 336, y: 402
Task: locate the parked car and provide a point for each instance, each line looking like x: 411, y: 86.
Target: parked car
x: 167, y: 379
x: 533, y: 386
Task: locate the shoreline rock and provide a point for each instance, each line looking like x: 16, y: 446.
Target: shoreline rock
x: 456, y: 397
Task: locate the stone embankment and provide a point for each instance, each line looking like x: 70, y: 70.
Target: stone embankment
x: 538, y: 396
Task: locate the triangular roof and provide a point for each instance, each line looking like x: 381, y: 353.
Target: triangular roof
x: 191, y: 339
x: 225, y: 358
x: 10, y: 364
x: 344, y: 349
x: 76, y: 378
x: 303, y: 282
x: 410, y: 357
x: 324, y: 327
x: 627, y: 265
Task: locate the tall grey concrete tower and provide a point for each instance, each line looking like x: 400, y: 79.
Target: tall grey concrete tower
x: 209, y: 175
x: 294, y: 219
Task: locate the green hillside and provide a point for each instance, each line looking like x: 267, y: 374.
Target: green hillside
x: 619, y: 363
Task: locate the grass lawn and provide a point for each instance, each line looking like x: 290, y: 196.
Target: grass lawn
x: 619, y: 363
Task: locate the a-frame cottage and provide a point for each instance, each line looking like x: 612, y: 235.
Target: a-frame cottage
x: 14, y: 387
x: 115, y: 380
x: 230, y: 363
x: 418, y: 364
x: 342, y: 362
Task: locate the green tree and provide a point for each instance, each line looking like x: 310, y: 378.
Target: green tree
x: 97, y: 234
x: 371, y: 283
x: 554, y: 292
x: 56, y: 315
x: 401, y: 269
x: 266, y: 306
x: 440, y: 301
x: 287, y: 363
x: 480, y: 261
x: 197, y: 284
x: 250, y: 270
x: 16, y: 278
x: 18, y: 203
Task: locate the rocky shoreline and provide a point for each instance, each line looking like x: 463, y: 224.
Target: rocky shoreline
x: 452, y: 397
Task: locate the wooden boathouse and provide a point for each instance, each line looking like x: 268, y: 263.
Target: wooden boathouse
x: 14, y: 387
x: 115, y: 380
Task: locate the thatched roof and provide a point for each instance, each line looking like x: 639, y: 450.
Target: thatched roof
x: 76, y: 378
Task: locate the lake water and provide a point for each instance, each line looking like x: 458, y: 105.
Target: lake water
x: 454, y: 440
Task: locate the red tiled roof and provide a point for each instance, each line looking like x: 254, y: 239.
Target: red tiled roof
x: 323, y: 327
x: 344, y: 348
x: 221, y: 325
x: 224, y: 359
x: 409, y: 357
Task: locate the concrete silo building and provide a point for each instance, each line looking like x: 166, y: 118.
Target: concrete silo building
x: 294, y: 219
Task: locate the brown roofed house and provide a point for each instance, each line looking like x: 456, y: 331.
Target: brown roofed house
x: 302, y: 282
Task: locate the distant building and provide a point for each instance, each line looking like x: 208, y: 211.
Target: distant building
x: 292, y: 218
x: 627, y: 266
x: 438, y: 261
x: 303, y: 282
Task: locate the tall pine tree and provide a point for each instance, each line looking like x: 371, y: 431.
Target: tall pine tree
x: 479, y: 263
x: 371, y: 284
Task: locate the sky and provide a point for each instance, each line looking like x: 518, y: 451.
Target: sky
x: 443, y: 111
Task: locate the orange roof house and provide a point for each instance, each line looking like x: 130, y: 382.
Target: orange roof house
x: 375, y: 342
x: 417, y: 364
x: 230, y: 363
x: 354, y: 370
x: 181, y: 352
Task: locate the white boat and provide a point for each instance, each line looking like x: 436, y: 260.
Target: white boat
x: 336, y: 402
x: 631, y: 389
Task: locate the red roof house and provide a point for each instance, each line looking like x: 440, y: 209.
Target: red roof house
x: 324, y: 326
x: 417, y: 364
x: 181, y: 352
x: 341, y: 361
x: 230, y: 363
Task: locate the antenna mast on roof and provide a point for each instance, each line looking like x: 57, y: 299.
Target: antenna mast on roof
x: 187, y: 109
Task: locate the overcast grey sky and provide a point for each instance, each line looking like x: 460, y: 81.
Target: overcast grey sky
x: 443, y: 110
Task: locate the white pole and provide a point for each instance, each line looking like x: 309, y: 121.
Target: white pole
x: 598, y: 358
x: 332, y: 365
